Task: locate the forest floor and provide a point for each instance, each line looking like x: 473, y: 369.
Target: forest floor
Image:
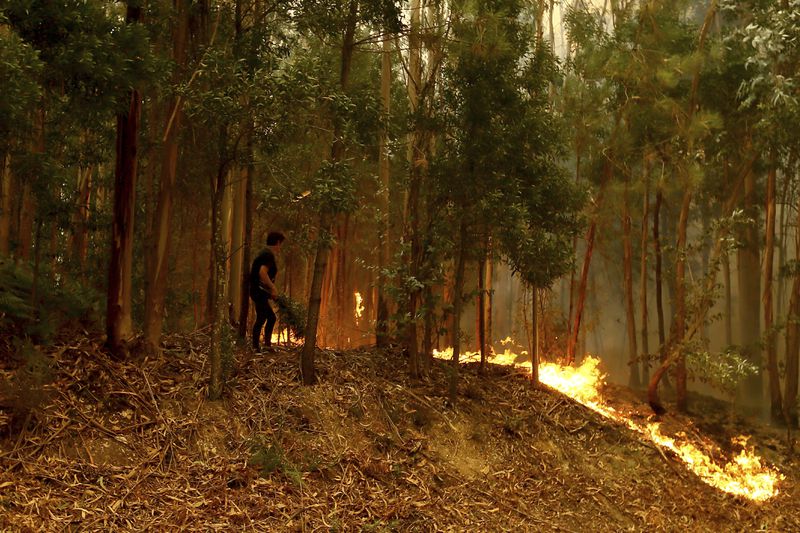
x: 136, y: 446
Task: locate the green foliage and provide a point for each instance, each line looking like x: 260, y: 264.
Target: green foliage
x: 498, y: 167
x: 270, y: 458
x: 57, y: 305
x: 293, y: 315
x: 724, y: 370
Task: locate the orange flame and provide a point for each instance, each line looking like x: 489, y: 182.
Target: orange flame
x: 359, y: 305
x: 743, y: 476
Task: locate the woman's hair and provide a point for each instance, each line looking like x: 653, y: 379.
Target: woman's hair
x: 275, y: 237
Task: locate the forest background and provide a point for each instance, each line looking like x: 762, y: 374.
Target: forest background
x: 446, y: 174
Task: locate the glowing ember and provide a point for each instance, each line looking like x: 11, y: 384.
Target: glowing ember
x: 359, y: 305
x: 743, y: 476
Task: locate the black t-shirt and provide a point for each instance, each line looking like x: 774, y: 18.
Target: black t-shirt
x: 264, y: 258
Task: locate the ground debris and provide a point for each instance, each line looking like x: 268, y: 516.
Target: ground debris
x: 134, y: 445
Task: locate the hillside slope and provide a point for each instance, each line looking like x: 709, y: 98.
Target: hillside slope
x: 135, y: 446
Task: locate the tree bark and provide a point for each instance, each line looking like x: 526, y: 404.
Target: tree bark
x: 160, y: 241
x: 793, y: 341
x: 776, y: 409
x: 382, y: 317
x: 247, y: 242
x: 119, y: 276
x: 458, y: 290
x: 749, y: 271
x: 534, y: 337
x: 415, y: 160
x: 220, y: 353
x: 634, y: 378
x: 643, y: 274
x: 6, y: 205
x: 321, y: 259
x: 658, y: 275
x: 481, y: 310
x: 239, y: 187
x: 80, y: 237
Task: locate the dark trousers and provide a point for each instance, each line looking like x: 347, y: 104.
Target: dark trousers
x: 264, y: 314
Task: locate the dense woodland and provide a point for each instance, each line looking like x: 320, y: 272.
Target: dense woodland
x: 571, y: 176
x: 408, y: 149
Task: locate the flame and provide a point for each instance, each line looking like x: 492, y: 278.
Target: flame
x: 744, y: 475
x: 359, y: 305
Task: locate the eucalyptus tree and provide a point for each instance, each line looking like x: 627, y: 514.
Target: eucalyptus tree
x: 95, y: 57
x: 333, y: 190
x: 770, y: 94
x: 497, y: 163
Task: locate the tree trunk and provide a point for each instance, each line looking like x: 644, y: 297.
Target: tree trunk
x: 247, y: 242
x: 534, y: 337
x: 489, y: 296
x: 239, y: 187
x: 80, y: 237
x: 749, y: 295
x: 119, y: 278
x: 643, y: 275
x: 220, y: 354
x: 634, y: 379
x: 576, y: 324
x: 321, y: 259
x: 726, y: 273
x: 415, y: 161
x: 382, y: 318
x: 458, y: 290
x: 6, y: 205
x: 679, y: 323
x: 776, y: 409
x: 658, y: 276
x: 157, y: 262
x: 793, y: 341
x: 481, y: 310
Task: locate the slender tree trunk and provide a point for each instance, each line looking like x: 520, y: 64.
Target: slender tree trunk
x: 158, y: 261
x: 26, y: 221
x: 220, y: 354
x: 658, y: 275
x: 776, y: 409
x: 634, y: 378
x: 247, y: 241
x: 382, y: 318
x: 458, y: 290
x: 321, y: 259
x: 489, y: 296
x: 80, y: 238
x: 481, y: 310
x: 6, y: 205
x: 416, y: 161
x: 726, y: 273
x: 239, y: 186
x: 643, y: 274
x: 119, y: 279
x: 793, y: 340
x: 749, y: 271
x: 534, y: 337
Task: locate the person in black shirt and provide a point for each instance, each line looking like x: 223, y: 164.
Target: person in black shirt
x: 262, y: 288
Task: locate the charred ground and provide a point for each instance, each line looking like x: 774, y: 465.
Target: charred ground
x: 135, y: 446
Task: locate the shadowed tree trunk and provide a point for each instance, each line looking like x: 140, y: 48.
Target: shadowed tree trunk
x: 160, y: 241
x: 749, y: 275
x: 458, y: 291
x: 119, y: 277
x: 6, y: 204
x: 643, y: 274
x: 776, y: 409
x: 323, y: 249
x: 634, y: 379
x: 382, y: 317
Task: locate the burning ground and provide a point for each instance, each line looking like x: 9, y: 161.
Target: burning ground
x: 135, y: 446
